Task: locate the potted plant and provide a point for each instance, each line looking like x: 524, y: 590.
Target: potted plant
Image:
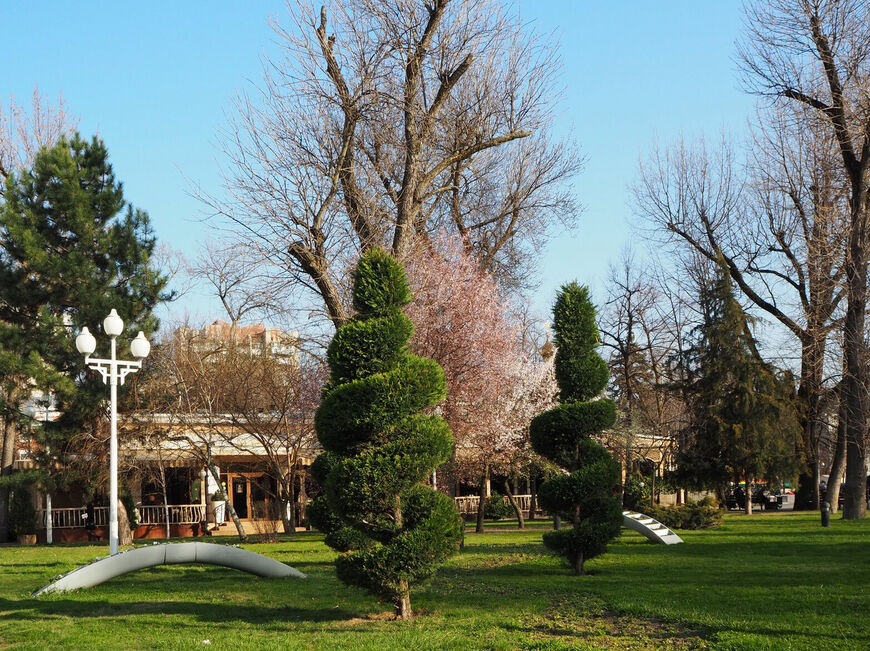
x: 22, y: 517
x: 217, y: 506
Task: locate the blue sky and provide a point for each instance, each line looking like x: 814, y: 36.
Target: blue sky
x: 155, y: 80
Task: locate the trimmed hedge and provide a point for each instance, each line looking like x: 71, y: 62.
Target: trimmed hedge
x: 392, y: 530
x: 694, y: 515
x: 587, y: 496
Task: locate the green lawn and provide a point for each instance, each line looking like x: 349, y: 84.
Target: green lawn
x: 773, y: 581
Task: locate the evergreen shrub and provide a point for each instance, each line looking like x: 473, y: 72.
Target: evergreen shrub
x: 22, y: 514
x: 587, y: 495
x: 497, y: 508
x: 391, y: 530
x: 694, y: 515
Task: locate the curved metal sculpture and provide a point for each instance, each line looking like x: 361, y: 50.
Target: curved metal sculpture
x: 131, y: 560
x: 652, y: 529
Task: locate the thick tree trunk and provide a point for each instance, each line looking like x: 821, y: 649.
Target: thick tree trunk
x: 125, y: 534
x: 513, y: 501
x: 481, y: 502
x: 809, y: 393
x: 578, y: 564
x: 832, y: 493
x: 855, y: 352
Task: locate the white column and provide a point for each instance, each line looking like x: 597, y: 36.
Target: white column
x: 113, y: 455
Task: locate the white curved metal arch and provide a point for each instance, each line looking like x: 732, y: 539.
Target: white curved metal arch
x: 168, y: 554
x: 652, y: 529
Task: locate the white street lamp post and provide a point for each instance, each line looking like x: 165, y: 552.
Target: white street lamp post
x: 112, y: 371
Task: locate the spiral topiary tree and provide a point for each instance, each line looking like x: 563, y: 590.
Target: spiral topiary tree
x: 393, y: 530
x: 586, y: 496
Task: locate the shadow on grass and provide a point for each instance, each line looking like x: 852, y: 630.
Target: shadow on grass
x: 201, y: 612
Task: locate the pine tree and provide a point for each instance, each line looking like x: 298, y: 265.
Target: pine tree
x: 393, y: 530
x: 587, y: 496
x: 744, y: 423
x: 71, y: 249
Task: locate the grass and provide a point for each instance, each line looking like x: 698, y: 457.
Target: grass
x: 774, y: 581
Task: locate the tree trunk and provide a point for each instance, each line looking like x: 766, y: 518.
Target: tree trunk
x: 402, y: 602
x: 165, y: 500
x: 557, y: 521
x: 832, y: 493
x: 533, y: 500
x: 287, y: 506
x: 243, y: 537
x: 291, y: 516
x: 303, y: 495
x: 481, y: 502
x: 748, y: 498
x: 578, y: 564
x: 513, y: 501
x: 855, y: 353
x: 125, y: 535
x: 7, y: 458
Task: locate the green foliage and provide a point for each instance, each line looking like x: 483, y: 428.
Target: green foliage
x: 497, y: 508
x: 580, y: 371
x: 22, y: 514
x: 365, y: 347
x: 744, y: 420
x: 555, y: 434
x: 587, y: 496
x: 392, y: 530
x: 694, y: 515
x: 380, y: 287
x: 635, y: 493
x: 71, y: 249
x: 356, y: 412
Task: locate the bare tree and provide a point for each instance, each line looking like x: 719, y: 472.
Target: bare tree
x: 239, y: 280
x: 24, y: 131
x: 643, y: 324
x: 270, y: 404
x: 778, y: 232
x: 814, y: 56
x: 379, y: 124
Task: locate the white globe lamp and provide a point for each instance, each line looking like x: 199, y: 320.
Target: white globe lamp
x: 112, y: 324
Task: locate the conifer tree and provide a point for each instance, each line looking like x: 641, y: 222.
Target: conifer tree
x: 744, y: 423
x: 393, y: 530
x: 587, y: 496
x: 71, y: 249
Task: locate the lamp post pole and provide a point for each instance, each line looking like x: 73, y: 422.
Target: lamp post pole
x: 113, y: 371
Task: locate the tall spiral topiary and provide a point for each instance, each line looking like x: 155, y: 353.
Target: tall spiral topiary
x: 392, y: 530
x: 586, y: 496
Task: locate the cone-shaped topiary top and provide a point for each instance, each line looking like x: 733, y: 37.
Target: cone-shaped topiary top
x: 393, y: 530
x: 586, y: 497
x: 580, y: 371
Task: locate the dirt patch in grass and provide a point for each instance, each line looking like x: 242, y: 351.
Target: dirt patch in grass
x: 570, y: 622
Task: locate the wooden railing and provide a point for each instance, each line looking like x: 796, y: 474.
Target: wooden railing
x: 72, y: 518
x: 468, y: 505
x: 178, y: 514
